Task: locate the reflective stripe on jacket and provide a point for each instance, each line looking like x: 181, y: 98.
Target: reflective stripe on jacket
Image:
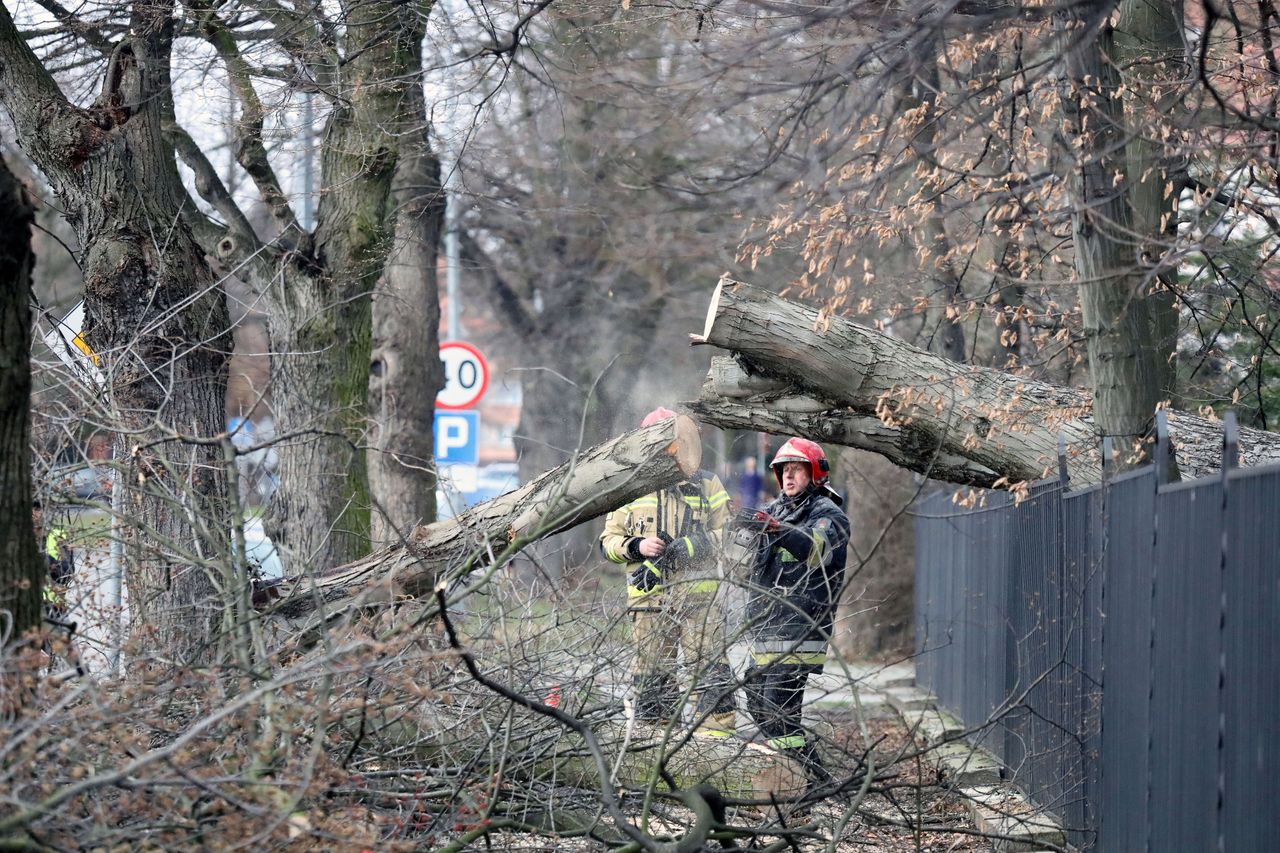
x: 677, y: 511
x: 797, y: 574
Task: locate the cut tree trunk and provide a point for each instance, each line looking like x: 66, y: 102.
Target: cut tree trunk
x: 812, y: 374
x: 734, y: 767
x: 22, y: 571
x: 593, y: 483
x: 735, y: 399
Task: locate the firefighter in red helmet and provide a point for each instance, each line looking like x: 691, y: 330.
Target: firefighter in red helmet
x: 670, y: 542
x: 800, y: 540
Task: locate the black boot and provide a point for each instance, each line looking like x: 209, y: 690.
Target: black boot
x: 655, y: 698
x: 821, y: 782
x: 716, y: 711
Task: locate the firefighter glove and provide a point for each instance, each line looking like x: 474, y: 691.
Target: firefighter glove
x: 756, y: 520
x: 646, y: 576
x: 696, y: 546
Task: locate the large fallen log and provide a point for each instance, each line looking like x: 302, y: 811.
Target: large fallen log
x: 533, y: 748
x: 779, y: 411
x: 596, y: 481
x: 956, y: 421
x: 482, y: 727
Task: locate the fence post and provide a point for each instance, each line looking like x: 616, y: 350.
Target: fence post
x: 1063, y: 479
x: 1230, y: 459
x: 1106, y: 458
x: 1230, y: 443
x: 1164, y: 449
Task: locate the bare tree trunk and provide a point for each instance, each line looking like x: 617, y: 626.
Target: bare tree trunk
x: 22, y: 572
x: 1150, y: 48
x: 816, y: 375
x: 155, y: 315
x: 946, y: 334
x: 321, y: 318
x: 595, y: 482
x: 1126, y: 366
x: 320, y: 377
x: 407, y: 373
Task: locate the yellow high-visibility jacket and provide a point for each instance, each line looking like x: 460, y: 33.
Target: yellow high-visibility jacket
x: 58, y: 556
x: 53, y: 542
x: 679, y: 512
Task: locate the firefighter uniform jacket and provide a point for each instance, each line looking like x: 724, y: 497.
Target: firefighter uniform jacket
x: 691, y: 515
x: 796, y: 579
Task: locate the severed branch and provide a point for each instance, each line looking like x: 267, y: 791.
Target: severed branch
x: 782, y: 413
x: 944, y: 412
x: 597, y: 481
x: 237, y: 241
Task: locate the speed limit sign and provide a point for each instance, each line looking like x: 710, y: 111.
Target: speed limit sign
x: 466, y: 376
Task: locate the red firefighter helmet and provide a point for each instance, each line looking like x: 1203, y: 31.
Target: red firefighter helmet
x: 658, y: 414
x: 801, y: 450
x: 804, y: 450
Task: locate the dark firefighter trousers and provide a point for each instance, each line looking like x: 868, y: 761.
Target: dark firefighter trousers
x: 775, y: 695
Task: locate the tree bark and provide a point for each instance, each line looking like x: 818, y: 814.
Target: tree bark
x: 1150, y: 51
x: 321, y: 318
x: 596, y: 481
x: 734, y: 399
x: 1127, y: 359
x: 815, y: 375
x: 406, y: 372
x: 22, y: 571
x: 946, y: 330
x: 155, y: 315
x: 735, y: 768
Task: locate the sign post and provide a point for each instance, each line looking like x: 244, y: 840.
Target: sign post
x: 457, y: 436
x: 457, y: 427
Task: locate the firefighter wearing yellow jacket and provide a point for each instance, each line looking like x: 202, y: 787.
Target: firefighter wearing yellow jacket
x: 670, y: 542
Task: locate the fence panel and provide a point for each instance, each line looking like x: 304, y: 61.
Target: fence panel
x: 1082, y: 613
x: 960, y: 594
x: 1251, y: 645
x: 1034, y: 744
x: 1140, y: 628
x: 989, y: 565
x: 1186, y: 612
x: 1128, y: 507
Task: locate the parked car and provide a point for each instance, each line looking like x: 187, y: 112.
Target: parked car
x: 83, y: 479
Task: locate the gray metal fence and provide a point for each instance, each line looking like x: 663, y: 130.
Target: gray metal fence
x: 1120, y: 647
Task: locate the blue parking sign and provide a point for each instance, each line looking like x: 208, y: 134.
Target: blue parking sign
x: 457, y: 437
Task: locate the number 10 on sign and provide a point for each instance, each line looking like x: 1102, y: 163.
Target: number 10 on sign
x: 466, y: 376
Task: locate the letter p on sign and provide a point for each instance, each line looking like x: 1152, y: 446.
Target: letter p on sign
x: 457, y: 438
